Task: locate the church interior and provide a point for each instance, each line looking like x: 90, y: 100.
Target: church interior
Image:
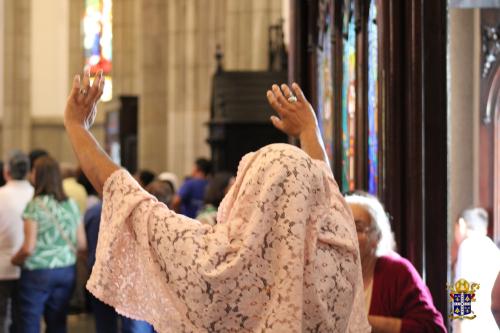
x: 406, y: 96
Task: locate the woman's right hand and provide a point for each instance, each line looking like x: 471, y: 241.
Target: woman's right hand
x: 82, y: 101
x: 296, y: 115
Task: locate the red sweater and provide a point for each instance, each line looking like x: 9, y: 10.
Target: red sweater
x: 398, y: 291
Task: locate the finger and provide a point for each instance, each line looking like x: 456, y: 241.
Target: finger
x: 288, y: 93
x: 277, y: 123
x: 75, y: 89
x: 271, y: 98
x: 299, y: 93
x: 94, y: 90
x: 101, y: 87
x: 279, y: 95
x: 84, y: 87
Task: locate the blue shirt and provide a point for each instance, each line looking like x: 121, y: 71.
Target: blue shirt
x: 91, y: 221
x: 192, y: 193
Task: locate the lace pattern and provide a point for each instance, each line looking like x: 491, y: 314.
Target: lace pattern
x: 283, y: 257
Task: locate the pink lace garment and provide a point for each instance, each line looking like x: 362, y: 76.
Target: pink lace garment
x: 283, y: 257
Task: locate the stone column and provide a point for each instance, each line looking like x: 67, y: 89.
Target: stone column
x: 126, y: 46
x: 246, y: 46
x: 153, y: 87
x: 17, y: 83
x: 76, y: 53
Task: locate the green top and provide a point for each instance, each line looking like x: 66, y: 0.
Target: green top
x: 52, y: 249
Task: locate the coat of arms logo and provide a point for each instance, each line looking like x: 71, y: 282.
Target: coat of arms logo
x: 462, y: 294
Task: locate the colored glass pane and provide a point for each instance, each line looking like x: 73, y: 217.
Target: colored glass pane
x: 325, y: 87
x: 349, y: 102
x: 97, y: 40
x: 372, y: 100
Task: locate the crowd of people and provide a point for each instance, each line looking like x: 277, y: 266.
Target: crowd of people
x: 275, y: 247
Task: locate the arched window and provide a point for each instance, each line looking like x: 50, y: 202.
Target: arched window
x: 373, y: 110
x: 348, y: 111
x: 324, y: 104
x: 97, y: 41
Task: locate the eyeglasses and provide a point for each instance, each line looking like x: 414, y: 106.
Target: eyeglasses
x: 362, y: 228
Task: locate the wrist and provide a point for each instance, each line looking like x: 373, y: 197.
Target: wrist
x: 309, y: 132
x: 72, y: 124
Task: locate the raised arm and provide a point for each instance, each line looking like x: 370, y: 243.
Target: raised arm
x: 297, y: 119
x: 78, y: 118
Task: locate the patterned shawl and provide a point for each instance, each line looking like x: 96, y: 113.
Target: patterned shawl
x: 283, y: 257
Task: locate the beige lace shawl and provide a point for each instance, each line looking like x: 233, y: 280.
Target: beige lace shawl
x: 283, y: 258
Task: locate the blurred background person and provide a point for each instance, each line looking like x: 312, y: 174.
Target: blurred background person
x: 35, y: 154
x: 478, y: 260
x: 162, y: 190
x: 217, y: 187
x: 14, y: 196
x: 495, y: 300
x: 396, y: 298
x: 52, y: 235
x: 170, y: 178
x: 189, y: 198
x: 144, y: 177
x: 72, y: 188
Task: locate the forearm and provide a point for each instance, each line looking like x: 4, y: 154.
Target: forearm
x: 20, y: 257
x: 382, y: 324
x: 94, y: 162
x: 312, y: 143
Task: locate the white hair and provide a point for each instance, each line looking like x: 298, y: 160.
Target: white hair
x: 380, y: 221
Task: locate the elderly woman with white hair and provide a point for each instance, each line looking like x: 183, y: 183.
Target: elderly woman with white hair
x: 396, y: 298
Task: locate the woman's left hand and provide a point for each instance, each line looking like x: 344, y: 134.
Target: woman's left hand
x: 82, y: 101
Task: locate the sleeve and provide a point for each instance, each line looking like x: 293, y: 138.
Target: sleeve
x: 185, y: 190
x: 128, y: 273
x: 418, y: 311
x: 75, y: 211
x: 32, y: 212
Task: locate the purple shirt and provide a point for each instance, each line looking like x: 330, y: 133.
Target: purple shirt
x: 192, y: 193
x: 398, y: 291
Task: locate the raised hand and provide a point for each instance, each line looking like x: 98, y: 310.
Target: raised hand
x: 297, y: 118
x: 81, y: 104
x: 296, y: 115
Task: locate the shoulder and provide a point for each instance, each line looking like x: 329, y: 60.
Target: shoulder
x: 397, y: 267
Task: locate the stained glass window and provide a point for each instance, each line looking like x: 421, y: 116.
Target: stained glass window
x: 349, y: 100
x: 325, y: 69
x: 97, y: 40
x: 372, y: 100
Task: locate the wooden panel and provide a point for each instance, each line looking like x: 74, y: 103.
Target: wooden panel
x: 489, y: 18
x: 435, y: 128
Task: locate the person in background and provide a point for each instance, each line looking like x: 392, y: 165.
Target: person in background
x: 396, y: 298
x: 92, y: 195
x: 495, y: 300
x: 189, y: 198
x: 35, y: 154
x: 14, y: 196
x: 72, y: 188
x: 52, y: 235
x: 78, y: 193
x: 478, y: 260
x: 217, y: 188
x: 169, y: 178
x: 162, y: 190
x: 144, y: 177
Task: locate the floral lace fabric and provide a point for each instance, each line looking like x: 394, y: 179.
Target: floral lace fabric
x: 283, y: 257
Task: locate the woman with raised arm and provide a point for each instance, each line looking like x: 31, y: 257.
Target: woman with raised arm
x: 283, y: 256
